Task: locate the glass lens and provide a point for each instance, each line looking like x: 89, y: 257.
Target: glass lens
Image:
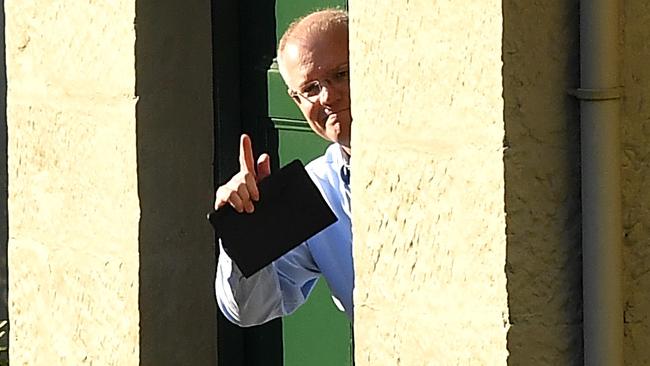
x: 311, y: 90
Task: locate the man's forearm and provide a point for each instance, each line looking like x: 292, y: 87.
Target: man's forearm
x: 247, y: 301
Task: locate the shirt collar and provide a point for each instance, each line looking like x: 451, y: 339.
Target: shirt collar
x: 346, y: 157
x: 345, y: 166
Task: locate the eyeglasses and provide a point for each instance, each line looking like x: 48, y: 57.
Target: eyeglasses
x: 312, y: 90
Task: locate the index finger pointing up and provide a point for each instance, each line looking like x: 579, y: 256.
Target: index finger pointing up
x: 246, y: 160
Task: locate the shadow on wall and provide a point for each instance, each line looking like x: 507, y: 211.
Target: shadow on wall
x: 542, y: 176
x: 174, y: 153
x: 635, y: 161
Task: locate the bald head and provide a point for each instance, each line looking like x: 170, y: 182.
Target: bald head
x: 311, y: 27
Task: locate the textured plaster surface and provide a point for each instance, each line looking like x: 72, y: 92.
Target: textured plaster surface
x: 73, y: 203
x: 636, y: 180
x: 428, y: 219
x: 110, y: 177
x: 542, y: 174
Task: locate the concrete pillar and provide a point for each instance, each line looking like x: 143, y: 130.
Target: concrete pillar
x: 428, y: 183
x: 110, y: 176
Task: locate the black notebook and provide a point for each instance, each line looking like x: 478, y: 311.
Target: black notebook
x: 291, y: 209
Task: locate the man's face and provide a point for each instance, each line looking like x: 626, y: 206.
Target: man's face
x: 321, y: 60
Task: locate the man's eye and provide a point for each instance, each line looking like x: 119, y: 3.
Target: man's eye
x: 311, y: 90
x: 342, y: 75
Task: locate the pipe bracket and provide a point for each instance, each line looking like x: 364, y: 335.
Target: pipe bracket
x: 597, y: 94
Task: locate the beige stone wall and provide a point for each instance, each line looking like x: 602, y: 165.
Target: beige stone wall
x: 636, y: 180
x: 428, y: 182
x: 409, y: 165
x: 111, y: 259
x: 73, y: 200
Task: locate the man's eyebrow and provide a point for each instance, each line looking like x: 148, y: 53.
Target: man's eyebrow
x: 345, y: 65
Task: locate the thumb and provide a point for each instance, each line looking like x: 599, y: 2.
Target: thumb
x: 263, y: 166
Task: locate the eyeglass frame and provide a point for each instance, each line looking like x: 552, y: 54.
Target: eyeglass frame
x: 320, y: 84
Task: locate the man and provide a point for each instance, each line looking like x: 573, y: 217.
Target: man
x: 313, y: 61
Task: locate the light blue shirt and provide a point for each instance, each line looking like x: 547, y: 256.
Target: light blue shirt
x: 281, y: 287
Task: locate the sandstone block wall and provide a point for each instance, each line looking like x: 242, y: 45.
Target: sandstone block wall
x: 429, y: 219
x: 110, y: 126
x: 413, y: 70
x: 73, y: 200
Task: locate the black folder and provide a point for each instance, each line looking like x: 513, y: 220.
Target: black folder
x: 291, y: 209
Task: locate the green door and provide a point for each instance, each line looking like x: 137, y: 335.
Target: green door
x: 318, y: 333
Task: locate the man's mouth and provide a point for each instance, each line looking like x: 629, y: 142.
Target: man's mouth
x: 329, y: 111
x: 332, y: 116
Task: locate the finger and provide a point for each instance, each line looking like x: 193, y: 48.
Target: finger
x: 251, y: 185
x: 246, y: 160
x: 235, y: 201
x: 248, y: 207
x: 245, y: 196
x: 263, y: 166
x: 242, y: 191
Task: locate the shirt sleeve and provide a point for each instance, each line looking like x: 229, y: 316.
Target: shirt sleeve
x: 276, y: 290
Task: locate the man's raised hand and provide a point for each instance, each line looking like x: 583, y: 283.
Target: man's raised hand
x: 241, y: 190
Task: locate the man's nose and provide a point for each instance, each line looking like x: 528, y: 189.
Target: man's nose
x: 327, y: 94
